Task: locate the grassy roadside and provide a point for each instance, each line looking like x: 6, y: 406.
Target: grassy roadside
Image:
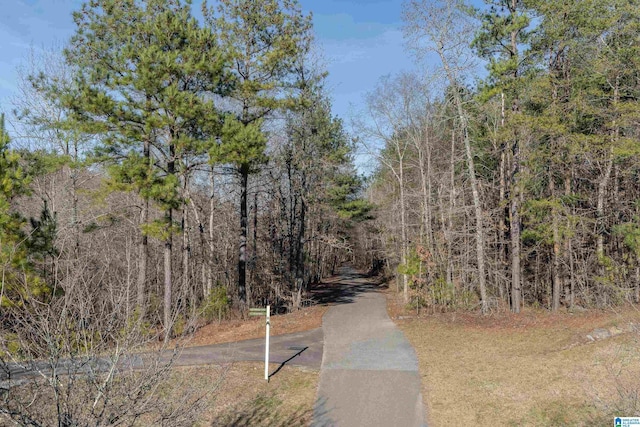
x: 536, y: 369
x: 237, y: 394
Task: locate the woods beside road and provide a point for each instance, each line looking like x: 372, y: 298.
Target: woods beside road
x: 168, y: 169
x: 516, y: 185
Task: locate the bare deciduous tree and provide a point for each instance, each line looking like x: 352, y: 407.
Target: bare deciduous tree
x: 442, y: 28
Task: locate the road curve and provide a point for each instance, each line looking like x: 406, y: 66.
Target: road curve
x: 369, y: 374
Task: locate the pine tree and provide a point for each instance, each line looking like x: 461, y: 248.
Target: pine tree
x: 17, y: 280
x: 263, y: 40
x: 12, y: 183
x: 41, y: 241
x: 504, y: 30
x: 146, y: 80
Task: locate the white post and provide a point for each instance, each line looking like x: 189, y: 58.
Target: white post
x: 266, y: 349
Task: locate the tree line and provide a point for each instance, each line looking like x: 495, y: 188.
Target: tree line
x: 517, y: 185
x: 166, y: 167
x: 180, y: 162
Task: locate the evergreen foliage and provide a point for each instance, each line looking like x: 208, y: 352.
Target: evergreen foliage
x: 554, y: 135
x: 17, y: 281
x: 263, y: 41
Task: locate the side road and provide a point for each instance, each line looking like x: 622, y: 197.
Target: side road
x: 369, y: 374
x: 300, y: 349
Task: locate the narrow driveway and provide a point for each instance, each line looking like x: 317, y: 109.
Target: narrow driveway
x: 369, y: 375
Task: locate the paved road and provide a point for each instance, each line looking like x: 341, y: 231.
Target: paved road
x: 300, y: 349
x: 369, y: 374
x: 368, y: 370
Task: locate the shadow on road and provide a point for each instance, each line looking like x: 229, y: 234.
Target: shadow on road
x: 298, y: 350
x: 345, y: 287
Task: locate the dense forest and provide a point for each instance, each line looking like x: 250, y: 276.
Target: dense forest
x: 172, y: 166
x: 509, y: 173
x: 169, y: 169
x: 177, y: 163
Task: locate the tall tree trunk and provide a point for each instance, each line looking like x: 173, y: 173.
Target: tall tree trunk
x: 212, y: 206
x: 187, y: 288
x: 75, y: 219
x: 555, y: 291
x: 452, y: 202
x: 168, y: 267
x: 503, y: 250
x: 603, y: 184
x: 242, y: 256
x: 602, y: 190
x: 424, y: 163
x: 167, y: 278
x: 143, y: 246
x: 478, y: 217
x: 569, y: 286
x: 300, y: 238
x: 291, y: 222
x: 143, y: 256
x: 572, y: 276
x: 254, y: 255
x: 477, y: 205
x: 516, y: 285
x: 403, y: 232
x: 205, y: 278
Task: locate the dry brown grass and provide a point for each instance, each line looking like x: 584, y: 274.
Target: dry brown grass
x: 238, y: 395
x: 210, y: 395
x: 535, y: 368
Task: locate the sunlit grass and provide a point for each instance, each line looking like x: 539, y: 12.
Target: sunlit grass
x: 538, y: 373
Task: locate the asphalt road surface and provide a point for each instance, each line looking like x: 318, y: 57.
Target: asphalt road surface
x: 299, y: 349
x: 296, y: 349
x: 368, y: 370
x: 369, y: 374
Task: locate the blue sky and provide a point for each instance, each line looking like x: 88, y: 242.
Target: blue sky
x: 361, y: 41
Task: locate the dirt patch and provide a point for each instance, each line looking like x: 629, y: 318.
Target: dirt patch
x: 238, y: 330
x: 536, y: 368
